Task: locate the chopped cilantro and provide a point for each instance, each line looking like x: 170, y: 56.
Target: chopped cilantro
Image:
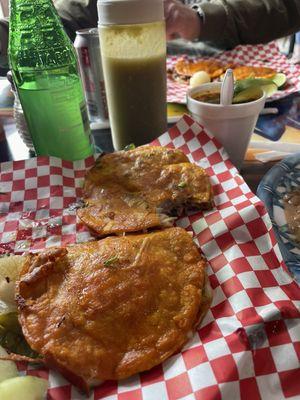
x: 130, y: 146
x: 181, y: 185
x: 110, y: 261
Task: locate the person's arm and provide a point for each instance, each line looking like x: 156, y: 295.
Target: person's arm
x: 226, y: 23
x: 232, y: 22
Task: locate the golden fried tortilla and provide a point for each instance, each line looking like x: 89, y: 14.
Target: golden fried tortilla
x: 244, y: 71
x: 130, y: 191
x: 111, y: 308
x: 184, y: 69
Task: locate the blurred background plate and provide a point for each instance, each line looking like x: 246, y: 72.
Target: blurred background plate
x: 281, y: 179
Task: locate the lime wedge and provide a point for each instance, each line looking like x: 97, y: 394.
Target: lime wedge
x: 249, y: 94
x: 176, y: 109
x: 23, y: 387
x: 269, y: 89
x: 279, y: 79
x: 247, y: 83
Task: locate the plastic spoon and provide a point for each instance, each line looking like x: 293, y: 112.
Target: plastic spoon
x: 227, y: 89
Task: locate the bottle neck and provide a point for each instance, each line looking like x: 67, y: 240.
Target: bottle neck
x: 36, y: 35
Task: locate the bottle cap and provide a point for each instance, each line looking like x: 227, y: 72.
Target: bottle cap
x: 126, y: 12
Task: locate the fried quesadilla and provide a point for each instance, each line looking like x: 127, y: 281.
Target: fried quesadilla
x: 184, y: 69
x: 130, y: 191
x: 111, y: 308
x: 244, y: 72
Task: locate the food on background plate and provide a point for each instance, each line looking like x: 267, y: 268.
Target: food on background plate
x: 291, y: 203
x: 184, y: 69
x: 248, y: 71
x: 199, y: 78
x: 111, y: 308
x: 196, y: 72
x: 279, y: 79
x: 130, y: 191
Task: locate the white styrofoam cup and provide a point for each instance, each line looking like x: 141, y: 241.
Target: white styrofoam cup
x: 232, y: 125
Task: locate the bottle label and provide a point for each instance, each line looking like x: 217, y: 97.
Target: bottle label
x: 85, y: 56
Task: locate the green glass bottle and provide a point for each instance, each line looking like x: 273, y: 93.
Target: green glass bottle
x: 45, y: 72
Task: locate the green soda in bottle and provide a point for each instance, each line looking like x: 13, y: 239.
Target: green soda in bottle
x: 45, y: 72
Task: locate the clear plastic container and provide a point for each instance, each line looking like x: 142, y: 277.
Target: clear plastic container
x: 19, y: 117
x: 133, y: 49
x: 21, y: 123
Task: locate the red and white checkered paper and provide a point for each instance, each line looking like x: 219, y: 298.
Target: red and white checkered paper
x: 248, y: 346
x: 266, y: 55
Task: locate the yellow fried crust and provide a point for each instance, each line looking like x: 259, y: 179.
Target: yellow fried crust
x: 243, y: 72
x: 130, y: 191
x: 111, y: 308
x: 184, y: 69
x: 188, y: 68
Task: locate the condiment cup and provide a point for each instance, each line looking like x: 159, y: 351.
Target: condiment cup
x: 232, y: 125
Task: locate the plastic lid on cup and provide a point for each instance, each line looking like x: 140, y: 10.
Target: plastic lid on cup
x: 126, y: 12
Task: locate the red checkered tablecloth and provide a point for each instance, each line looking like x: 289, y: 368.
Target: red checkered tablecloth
x: 267, y: 55
x: 248, y: 346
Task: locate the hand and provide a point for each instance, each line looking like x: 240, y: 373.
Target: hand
x: 181, y: 21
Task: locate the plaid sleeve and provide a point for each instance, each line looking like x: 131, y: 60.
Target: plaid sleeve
x: 228, y: 23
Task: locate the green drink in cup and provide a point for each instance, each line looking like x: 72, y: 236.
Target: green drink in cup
x: 44, y: 68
